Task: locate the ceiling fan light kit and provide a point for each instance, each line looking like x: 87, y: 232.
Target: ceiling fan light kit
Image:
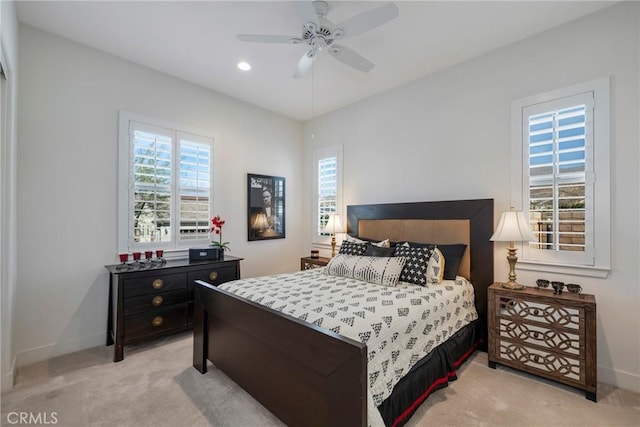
x: 320, y: 33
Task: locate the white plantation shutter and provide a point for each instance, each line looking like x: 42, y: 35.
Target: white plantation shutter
x: 165, y: 186
x: 560, y: 160
x: 194, y: 186
x: 151, y: 176
x: 564, y: 141
x: 327, y: 190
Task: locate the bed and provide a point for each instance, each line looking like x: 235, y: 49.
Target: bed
x: 308, y: 375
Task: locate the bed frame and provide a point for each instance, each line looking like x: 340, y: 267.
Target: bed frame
x: 308, y: 376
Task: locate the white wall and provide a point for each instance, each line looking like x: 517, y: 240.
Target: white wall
x: 9, y: 59
x: 67, y: 175
x: 447, y: 136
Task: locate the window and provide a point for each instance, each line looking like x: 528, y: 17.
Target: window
x: 327, y: 190
x: 327, y: 186
x: 561, y: 165
x: 165, y: 186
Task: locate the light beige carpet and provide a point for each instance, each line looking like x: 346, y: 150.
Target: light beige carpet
x: 155, y: 385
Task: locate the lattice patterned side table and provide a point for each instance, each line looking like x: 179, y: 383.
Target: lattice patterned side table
x: 553, y: 336
x: 308, y: 262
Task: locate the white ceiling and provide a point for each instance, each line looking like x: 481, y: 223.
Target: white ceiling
x: 196, y: 41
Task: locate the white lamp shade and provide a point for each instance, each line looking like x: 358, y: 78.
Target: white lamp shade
x: 334, y: 225
x: 512, y: 227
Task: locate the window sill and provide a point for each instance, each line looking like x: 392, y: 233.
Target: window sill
x: 323, y: 245
x: 599, y: 272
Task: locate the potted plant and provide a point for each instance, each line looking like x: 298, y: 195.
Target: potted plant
x: 216, y: 228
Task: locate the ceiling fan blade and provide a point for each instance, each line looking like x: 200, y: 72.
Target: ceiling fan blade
x: 351, y: 58
x: 264, y: 38
x: 307, y: 12
x: 368, y: 20
x: 304, y: 65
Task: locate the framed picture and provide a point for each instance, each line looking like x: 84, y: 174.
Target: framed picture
x: 265, y: 207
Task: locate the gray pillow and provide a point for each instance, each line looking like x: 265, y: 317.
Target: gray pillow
x: 373, y: 250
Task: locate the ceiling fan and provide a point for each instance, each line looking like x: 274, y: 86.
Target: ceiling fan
x: 318, y: 33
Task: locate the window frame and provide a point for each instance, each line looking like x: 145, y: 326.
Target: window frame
x: 319, y: 154
x: 174, y: 248
x: 599, y: 174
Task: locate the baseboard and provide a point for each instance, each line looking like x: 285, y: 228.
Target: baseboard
x: 9, y: 378
x: 49, y: 351
x: 620, y: 379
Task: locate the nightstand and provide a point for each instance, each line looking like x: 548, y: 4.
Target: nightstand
x: 307, y: 262
x: 553, y: 336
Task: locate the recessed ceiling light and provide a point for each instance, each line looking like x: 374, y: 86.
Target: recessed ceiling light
x: 244, y: 66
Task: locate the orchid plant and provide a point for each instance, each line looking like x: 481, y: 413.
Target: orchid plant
x: 216, y: 227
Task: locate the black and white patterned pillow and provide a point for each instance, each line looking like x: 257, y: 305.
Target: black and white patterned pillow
x: 435, y: 267
x: 351, y: 248
x: 379, y: 270
x: 415, y: 267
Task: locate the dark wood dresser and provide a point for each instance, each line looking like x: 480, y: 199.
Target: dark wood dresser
x: 149, y: 301
x: 553, y: 336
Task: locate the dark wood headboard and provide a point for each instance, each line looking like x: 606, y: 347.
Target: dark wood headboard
x: 456, y: 221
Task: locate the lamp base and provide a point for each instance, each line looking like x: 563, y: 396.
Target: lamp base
x: 512, y: 285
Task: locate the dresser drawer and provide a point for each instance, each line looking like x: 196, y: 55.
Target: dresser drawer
x: 154, y: 301
x: 214, y: 275
x: 570, y: 370
x: 155, y: 322
x: 546, y: 315
x: 154, y: 284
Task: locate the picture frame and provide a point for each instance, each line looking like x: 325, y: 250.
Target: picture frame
x: 265, y: 207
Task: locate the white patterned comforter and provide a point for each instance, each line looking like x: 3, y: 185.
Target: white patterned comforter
x: 399, y: 325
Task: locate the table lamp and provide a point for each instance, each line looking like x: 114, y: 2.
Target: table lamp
x: 333, y: 226
x: 512, y: 228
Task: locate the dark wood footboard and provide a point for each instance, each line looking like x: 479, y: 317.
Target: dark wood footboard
x: 304, y: 375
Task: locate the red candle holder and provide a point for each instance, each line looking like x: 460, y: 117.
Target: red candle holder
x: 136, y: 256
x: 148, y: 254
x: 123, y: 262
x: 159, y: 253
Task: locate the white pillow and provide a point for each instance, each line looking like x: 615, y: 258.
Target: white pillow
x: 349, y: 238
x: 435, y: 267
x: 379, y: 270
x: 382, y: 244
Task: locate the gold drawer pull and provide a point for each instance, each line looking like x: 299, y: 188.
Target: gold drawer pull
x: 157, y: 300
x: 213, y: 275
x: 157, y: 284
x: 157, y: 321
